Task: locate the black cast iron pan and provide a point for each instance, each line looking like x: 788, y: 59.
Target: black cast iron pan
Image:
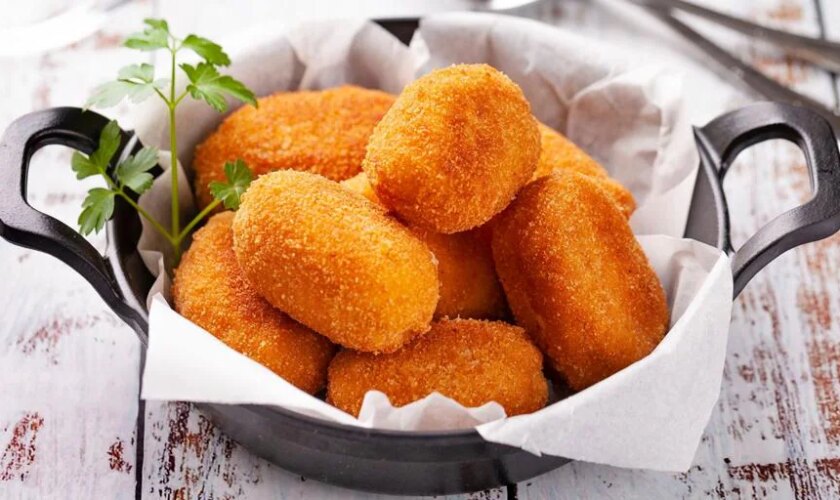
x: 429, y: 463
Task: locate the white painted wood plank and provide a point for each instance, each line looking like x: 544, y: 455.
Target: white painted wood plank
x: 774, y: 432
x: 73, y: 382
x: 68, y: 365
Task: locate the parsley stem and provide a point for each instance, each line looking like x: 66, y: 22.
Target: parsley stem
x: 180, y: 98
x: 118, y: 189
x: 173, y: 160
x: 111, y: 184
x: 201, y: 215
x: 146, y: 215
x: 162, y: 96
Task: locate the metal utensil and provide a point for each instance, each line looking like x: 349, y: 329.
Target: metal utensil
x: 823, y: 53
x: 732, y: 68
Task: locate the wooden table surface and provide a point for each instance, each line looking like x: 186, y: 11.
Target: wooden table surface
x: 69, y: 368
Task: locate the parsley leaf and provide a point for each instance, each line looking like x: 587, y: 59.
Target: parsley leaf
x: 109, y: 94
x: 143, y: 72
x: 109, y: 141
x: 208, y: 85
x: 210, y: 51
x: 160, y: 24
x: 238, y: 179
x: 97, y: 162
x: 134, y: 171
x: 135, y: 82
x: 82, y: 165
x: 154, y: 36
x: 97, y: 208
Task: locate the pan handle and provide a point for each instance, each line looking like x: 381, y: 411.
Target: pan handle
x: 720, y: 141
x: 24, y: 226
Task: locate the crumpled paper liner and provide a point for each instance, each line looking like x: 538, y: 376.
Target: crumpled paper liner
x: 631, y: 118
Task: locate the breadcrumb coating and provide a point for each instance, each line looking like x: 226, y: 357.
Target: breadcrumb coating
x: 577, y: 279
x: 324, y: 132
x: 469, y: 287
x: 620, y: 195
x: 210, y: 291
x: 334, y: 261
x: 360, y: 184
x: 559, y: 152
x: 454, y: 148
x: 473, y: 362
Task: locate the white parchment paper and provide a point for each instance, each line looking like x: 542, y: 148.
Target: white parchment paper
x: 629, y: 117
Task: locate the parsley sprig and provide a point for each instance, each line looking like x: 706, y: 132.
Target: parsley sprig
x: 136, y: 83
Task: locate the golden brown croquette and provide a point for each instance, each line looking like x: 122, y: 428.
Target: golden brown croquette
x: 469, y: 287
x: 324, y: 132
x: 560, y: 152
x: 210, y: 291
x: 454, y: 148
x: 576, y: 278
x: 360, y: 184
x: 473, y: 362
x: 335, y: 261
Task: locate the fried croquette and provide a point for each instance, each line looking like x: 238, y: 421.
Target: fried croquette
x: 454, y: 148
x: 334, y: 261
x: 360, y: 184
x: 620, y: 195
x: 469, y: 287
x: 210, y: 291
x: 559, y: 152
x: 473, y: 362
x: 324, y: 132
x: 576, y: 278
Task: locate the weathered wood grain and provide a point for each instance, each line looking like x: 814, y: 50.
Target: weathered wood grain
x: 774, y: 432
x: 68, y: 367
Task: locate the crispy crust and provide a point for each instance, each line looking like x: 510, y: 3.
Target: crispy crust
x: 334, y: 261
x: 620, y: 195
x: 469, y: 287
x: 210, y: 291
x: 577, y: 279
x: 473, y: 362
x: 324, y: 132
x: 360, y: 184
x: 559, y: 152
x: 454, y: 148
